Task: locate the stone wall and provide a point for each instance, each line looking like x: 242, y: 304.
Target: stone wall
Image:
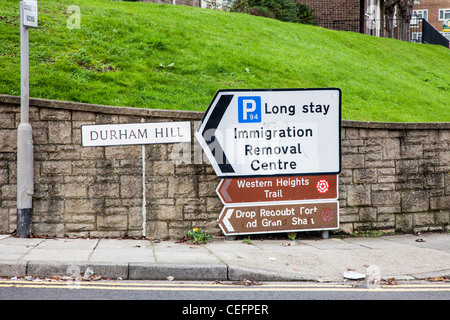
x: 394, y: 176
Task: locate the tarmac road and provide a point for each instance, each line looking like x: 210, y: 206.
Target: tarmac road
x: 218, y: 290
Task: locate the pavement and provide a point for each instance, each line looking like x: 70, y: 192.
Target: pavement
x: 403, y: 257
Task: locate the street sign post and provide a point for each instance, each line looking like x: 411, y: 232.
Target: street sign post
x: 279, y: 132
x: 25, y: 168
x: 272, y: 189
x: 281, y: 217
x: 105, y: 135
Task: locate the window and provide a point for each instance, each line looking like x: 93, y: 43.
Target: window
x: 446, y: 34
x: 418, y: 15
x: 444, y: 14
x: 416, y: 37
x: 421, y: 14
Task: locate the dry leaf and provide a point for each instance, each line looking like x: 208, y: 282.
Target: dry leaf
x: 390, y: 281
x: 434, y: 279
x: 96, y: 277
x: 246, y: 282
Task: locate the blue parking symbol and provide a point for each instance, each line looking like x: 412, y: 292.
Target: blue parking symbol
x: 249, y: 109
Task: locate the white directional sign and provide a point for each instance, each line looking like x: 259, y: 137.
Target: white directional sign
x: 135, y: 133
x: 247, y: 133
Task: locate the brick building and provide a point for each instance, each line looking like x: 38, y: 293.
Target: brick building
x: 435, y: 12
x: 367, y: 16
x: 364, y: 16
x: 338, y: 14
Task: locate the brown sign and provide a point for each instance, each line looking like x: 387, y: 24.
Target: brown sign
x: 292, y: 217
x: 293, y: 188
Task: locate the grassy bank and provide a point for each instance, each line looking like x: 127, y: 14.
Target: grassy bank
x: 175, y: 57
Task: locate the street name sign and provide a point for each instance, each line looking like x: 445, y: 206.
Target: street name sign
x: 288, y: 217
x: 30, y: 13
x: 135, y: 133
x: 278, y: 132
x: 272, y: 189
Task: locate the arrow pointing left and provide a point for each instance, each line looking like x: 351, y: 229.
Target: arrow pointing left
x: 207, y: 133
x: 226, y: 220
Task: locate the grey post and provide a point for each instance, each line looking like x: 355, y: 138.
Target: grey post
x: 25, y: 184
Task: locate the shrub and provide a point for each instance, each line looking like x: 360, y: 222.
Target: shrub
x: 305, y: 15
x: 261, y: 11
x: 284, y: 10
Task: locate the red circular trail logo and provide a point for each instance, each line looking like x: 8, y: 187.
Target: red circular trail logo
x: 322, y: 186
x: 327, y: 214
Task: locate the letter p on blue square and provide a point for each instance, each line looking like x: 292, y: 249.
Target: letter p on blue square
x: 249, y: 109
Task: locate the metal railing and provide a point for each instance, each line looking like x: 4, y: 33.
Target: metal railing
x: 415, y: 30
x: 431, y: 36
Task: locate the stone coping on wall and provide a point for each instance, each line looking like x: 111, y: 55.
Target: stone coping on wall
x: 396, y: 125
x: 97, y: 108
x: 197, y: 115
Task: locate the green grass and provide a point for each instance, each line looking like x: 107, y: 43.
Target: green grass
x: 175, y: 57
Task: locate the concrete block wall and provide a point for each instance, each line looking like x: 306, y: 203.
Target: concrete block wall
x: 394, y: 176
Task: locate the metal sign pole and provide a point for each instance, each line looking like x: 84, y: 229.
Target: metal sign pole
x: 25, y: 184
